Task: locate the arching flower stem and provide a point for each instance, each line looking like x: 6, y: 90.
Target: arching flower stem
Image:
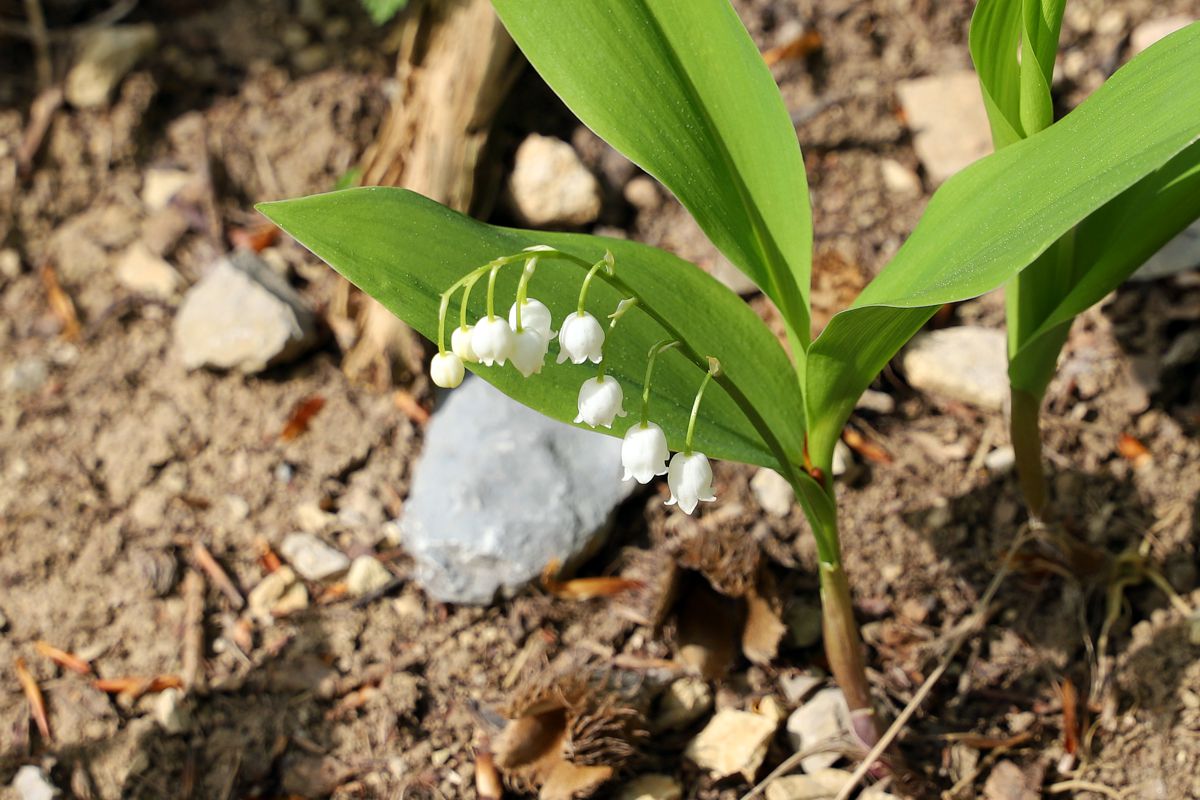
x: 523, y: 288
x: 714, y: 369
x: 665, y: 344
x: 605, y: 264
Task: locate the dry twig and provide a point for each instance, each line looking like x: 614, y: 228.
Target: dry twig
x: 193, y: 632
x: 63, y: 658
x: 216, y: 573
x: 33, y: 694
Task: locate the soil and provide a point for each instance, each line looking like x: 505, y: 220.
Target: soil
x: 115, y: 466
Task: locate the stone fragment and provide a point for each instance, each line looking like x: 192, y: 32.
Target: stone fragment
x: 1001, y: 460
x: 25, y: 376
x: 824, y: 784
x: 551, y: 186
x: 278, y: 594
x: 1151, y: 31
x: 1007, y: 781
x: 798, y: 685
x: 145, y: 272
x: 1178, y: 255
x: 651, y: 787
x: 946, y: 115
x: 684, y: 702
x: 160, y: 185
x: 311, y: 557
x: 242, y: 317
x: 366, y: 575
x: 106, y: 55
x: 733, y: 743
x: 170, y: 709
x: 773, y: 492
x: 843, y: 458
x: 879, y: 402
x: 899, y: 179
x: 824, y: 719
x: 966, y: 363
x: 30, y: 783
x: 500, y: 491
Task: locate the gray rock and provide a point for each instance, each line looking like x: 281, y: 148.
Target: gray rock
x: 967, y: 364
x: 1178, y: 255
x: 949, y: 124
x: 311, y: 557
x: 25, y: 376
x: 105, y: 57
x: 825, y: 719
x: 500, y: 491
x: 773, y: 492
x: 550, y: 184
x: 143, y: 271
x: 31, y: 783
x: 1150, y: 32
x: 242, y: 317
x: 366, y: 575
x: 1001, y: 460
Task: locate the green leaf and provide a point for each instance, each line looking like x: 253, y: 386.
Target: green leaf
x: 1109, y: 246
x: 404, y: 250
x: 382, y: 11
x: 679, y: 88
x: 1016, y: 91
x: 997, y: 216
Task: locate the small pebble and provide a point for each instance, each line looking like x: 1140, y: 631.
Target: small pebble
x: 366, y: 575
x: 31, y: 784
x: 879, y: 402
x: 1001, y: 460
x: 825, y: 719
x: 824, y: 784
x: 733, y: 743
x: 550, y: 184
x: 773, y: 492
x: 651, y: 787
x: 170, y: 710
x: 311, y: 557
x: 685, y: 701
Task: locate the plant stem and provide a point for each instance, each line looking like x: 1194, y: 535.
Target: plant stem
x: 1027, y: 447
x: 844, y: 650
x: 665, y: 344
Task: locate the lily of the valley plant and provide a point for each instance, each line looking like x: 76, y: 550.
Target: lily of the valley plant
x: 678, y: 87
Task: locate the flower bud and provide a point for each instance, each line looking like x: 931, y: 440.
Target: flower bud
x: 535, y: 316
x: 600, y: 401
x: 446, y: 369
x: 580, y: 339
x: 460, y: 343
x: 529, y: 352
x: 493, y: 341
x: 689, y: 477
x: 644, y: 452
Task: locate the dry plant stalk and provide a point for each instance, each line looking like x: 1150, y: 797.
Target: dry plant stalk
x: 33, y: 694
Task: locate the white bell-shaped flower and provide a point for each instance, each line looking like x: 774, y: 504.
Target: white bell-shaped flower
x: 581, y: 339
x: 535, y: 315
x: 644, y: 452
x: 460, y: 343
x: 690, y: 479
x: 446, y: 369
x: 529, y: 352
x: 600, y: 401
x: 493, y: 341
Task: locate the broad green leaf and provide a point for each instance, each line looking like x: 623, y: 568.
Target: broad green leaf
x: 1108, y: 247
x: 404, y: 250
x: 679, y: 88
x: 1039, y: 44
x: 997, y: 216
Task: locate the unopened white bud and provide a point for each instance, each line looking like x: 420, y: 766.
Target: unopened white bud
x: 644, y: 452
x: 446, y: 369
x: 493, y: 341
x: 535, y: 316
x: 600, y: 401
x: 460, y: 343
x: 581, y: 339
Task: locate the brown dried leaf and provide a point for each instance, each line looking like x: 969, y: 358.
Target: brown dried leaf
x: 62, y: 658
x: 136, y: 687
x: 584, y: 588
x: 869, y: 450
x: 301, y: 415
x: 33, y: 695
x: 1133, y: 451
x: 256, y: 238
x: 800, y: 47
x: 60, y: 303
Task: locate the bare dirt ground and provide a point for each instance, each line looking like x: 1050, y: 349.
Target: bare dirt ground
x: 114, y: 467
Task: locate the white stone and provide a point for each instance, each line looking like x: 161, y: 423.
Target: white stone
x: 366, y: 575
x: 773, y: 492
x: 311, y: 557
x: 25, y: 376
x: 967, y: 364
x: 550, y: 184
x: 685, y: 701
x: 312, y: 518
x: 1001, y: 460
x: 1150, y: 32
x: 879, y: 402
x: 733, y: 743
x: 31, y: 783
x: 171, y: 712
x: 270, y: 590
x: 160, y: 185
x: 824, y: 784
x: 843, y: 458
x: 825, y: 719
x: 898, y: 178
x: 651, y: 787
x: 797, y: 685
x: 949, y: 124
x: 1178, y: 255
x: 243, y: 318
x: 106, y: 54
x: 142, y: 271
